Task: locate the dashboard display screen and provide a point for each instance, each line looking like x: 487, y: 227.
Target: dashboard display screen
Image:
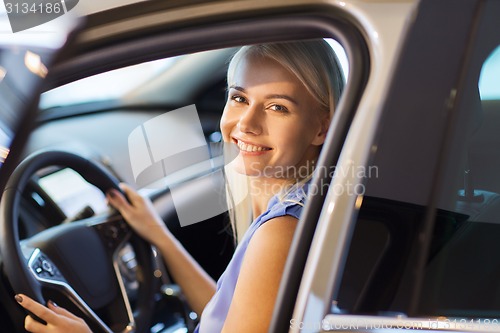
x: 71, y: 192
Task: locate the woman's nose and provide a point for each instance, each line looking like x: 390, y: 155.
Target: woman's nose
x: 250, y: 121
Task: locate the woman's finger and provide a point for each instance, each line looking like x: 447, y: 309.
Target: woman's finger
x: 36, y: 308
x: 127, y: 189
x: 60, y: 311
x: 117, y: 200
x: 131, y: 194
x: 33, y: 326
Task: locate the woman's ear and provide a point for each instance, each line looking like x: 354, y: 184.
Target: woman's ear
x: 324, y: 125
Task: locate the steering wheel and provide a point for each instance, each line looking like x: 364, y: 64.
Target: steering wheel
x: 78, y: 260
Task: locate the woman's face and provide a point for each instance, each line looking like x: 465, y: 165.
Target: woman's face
x: 277, y: 126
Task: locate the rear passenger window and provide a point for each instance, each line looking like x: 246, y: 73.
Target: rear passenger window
x: 460, y: 254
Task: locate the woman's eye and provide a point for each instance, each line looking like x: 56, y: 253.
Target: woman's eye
x: 238, y: 99
x: 279, y: 108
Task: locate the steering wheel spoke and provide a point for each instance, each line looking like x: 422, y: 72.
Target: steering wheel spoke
x: 115, y: 235
x: 44, y: 270
x: 48, y: 275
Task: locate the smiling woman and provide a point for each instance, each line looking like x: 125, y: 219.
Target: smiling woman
x: 277, y: 113
x: 279, y: 106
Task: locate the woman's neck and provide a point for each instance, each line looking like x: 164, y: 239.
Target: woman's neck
x: 262, y: 189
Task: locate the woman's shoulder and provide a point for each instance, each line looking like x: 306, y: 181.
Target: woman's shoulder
x: 296, y: 194
x: 290, y: 202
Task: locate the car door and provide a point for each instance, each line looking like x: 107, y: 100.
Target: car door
x: 417, y: 250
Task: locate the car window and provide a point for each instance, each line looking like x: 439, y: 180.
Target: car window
x: 409, y: 257
x: 163, y: 85
x: 164, y: 115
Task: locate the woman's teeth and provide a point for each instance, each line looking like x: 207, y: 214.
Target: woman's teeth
x: 248, y: 147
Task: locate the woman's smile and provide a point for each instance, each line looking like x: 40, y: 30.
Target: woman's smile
x: 249, y: 148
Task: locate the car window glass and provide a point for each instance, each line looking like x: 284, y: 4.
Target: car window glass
x: 161, y: 85
x: 488, y: 82
x: 461, y: 269
x: 159, y: 132
x: 165, y: 115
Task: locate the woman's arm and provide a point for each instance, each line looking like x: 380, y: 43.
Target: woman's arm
x: 197, y: 285
x: 258, y: 282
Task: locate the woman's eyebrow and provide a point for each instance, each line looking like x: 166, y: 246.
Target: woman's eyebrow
x: 278, y: 96
x: 272, y: 96
x: 237, y: 88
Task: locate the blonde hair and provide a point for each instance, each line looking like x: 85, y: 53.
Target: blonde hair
x: 316, y: 66
x: 313, y: 62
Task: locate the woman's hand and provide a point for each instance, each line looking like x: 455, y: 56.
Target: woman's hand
x: 58, y: 320
x: 139, y: 214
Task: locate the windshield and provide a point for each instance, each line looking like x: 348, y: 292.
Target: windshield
x: 107, y: 86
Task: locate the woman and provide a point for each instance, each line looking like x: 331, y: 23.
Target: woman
x: 277, y: 114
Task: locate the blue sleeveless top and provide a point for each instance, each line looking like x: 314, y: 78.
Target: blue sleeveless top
x: 215, y: 312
